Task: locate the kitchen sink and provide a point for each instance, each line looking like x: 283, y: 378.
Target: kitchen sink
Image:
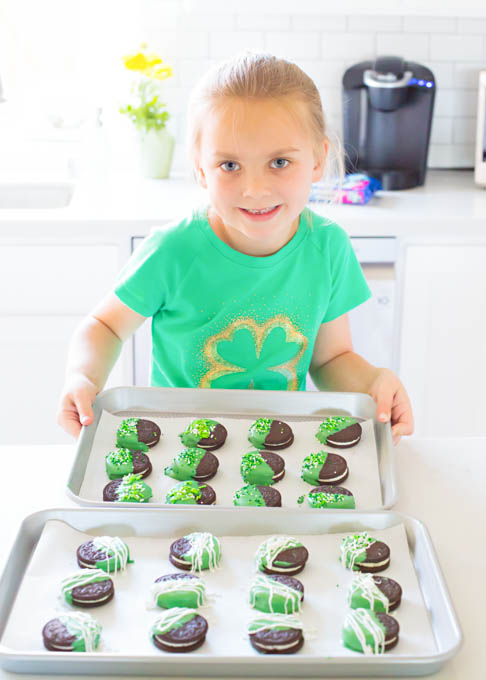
x: 35, y: 195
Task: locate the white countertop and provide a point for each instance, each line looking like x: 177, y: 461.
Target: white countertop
x: 441, y: 482
x: 448, y: 205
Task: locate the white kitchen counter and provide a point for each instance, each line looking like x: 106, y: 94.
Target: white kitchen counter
x: 441, y: 482
x: 448, y: 205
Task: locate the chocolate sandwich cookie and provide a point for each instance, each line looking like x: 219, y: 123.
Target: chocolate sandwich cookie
x: 262, y: 467
x: 179, y: 630
x: 204, y: 433
x: 361, y: 552
x: 331, y: 497
x: 137, y: 434
x: 341, y: 432
x: 379, y: 593
x: 254, y: 495
x: 128, y: 489
x: 370, y: 632
x: 178, y: 590
x: 276, y: 594
x: 195, y: 552
x: 191, y: 493
x: 87, y: 588
x: 324, y: 468
x: 121, y: 462
x: 193, y: 463
x: 276, y: 634
x: 281, y: 555
x: 74, y: 632
x: 267, y: 433
x: 109, y: 553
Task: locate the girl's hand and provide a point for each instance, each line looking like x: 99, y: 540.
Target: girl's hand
x: 75, y: 406
x: 392, y: 402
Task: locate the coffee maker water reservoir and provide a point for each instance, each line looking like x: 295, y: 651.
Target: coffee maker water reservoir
x: 387, y: 117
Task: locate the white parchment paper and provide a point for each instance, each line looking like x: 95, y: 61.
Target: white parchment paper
x: 126, y: 621
x: 363, y: 480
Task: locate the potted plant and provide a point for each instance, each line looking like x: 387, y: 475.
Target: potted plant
x: 148, y: 113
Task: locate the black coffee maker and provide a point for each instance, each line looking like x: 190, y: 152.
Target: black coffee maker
x: 387, y: 116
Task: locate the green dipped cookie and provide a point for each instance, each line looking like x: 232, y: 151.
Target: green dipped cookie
x: 281, y: 554
x: 369, y: 632
x: 204, y: 433
x: 362, y: 552
x: 262, y: 467
x: 276, y: 633
x: 195, y: 552
x: 74, y: 632
x: 193, y: 463
x: 341, y: 432
x: 128, y: 489
x: 121, y: 462
x: 87, y: 588
x: 191, y: 493
x: 258, y: 496
x: 276, y: 594
x: 179, y: 629
x: 268, y: 433
x: 178, y: 590
x: 379, y: 593
x: 109, y: 553
x: 137, y: 434
x: 324, y: 468
x: 331, y: 497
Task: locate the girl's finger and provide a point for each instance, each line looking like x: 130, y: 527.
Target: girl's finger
x: 384, y: 400
x: 68, y: 420
x: 85, y: 411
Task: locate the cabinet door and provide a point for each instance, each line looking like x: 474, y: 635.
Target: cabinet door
x: 443, y: 336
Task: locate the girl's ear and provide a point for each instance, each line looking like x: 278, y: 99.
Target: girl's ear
x: 200, y: 176
x: 320, y: 162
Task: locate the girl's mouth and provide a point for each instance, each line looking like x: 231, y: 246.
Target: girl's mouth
x: 262, y: 214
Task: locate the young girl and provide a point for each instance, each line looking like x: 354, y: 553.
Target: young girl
x: 250, y: 291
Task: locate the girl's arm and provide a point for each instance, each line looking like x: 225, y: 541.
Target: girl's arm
x: 334, y: 366
x: 93, y: 351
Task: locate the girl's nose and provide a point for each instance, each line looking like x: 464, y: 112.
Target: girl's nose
x: 255, y: 187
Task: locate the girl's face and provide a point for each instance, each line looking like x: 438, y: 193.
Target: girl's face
x: 256, y: 156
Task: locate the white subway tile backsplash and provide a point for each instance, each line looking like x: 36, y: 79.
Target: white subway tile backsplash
x: 443, y: 73
x: 318, y: 22
x: 331, y: 102
x: 410, y: 46
x: 464, y: 131
x: 263, y: 22
x: 293, y: 45
x: 441, y: 132
x: 472, y: 26
x: 429, y: 24
x: 448, y: 103
x: 206, y: 21
x: 456, y: 47
x: 225, y: 44
x: 378, y: 24
x: 450, y: 156
x: 349, y: 47
x: 466, y: 75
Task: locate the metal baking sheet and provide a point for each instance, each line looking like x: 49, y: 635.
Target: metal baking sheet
x: 190, y: 402
x: 237, y: 523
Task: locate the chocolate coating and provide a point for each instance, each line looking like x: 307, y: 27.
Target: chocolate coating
x: 279, y: 437
x: 270, y: 637
x: 271, y: 496
x: 141, y: 462
x: 93, y: 594
x: 392, y: 629
x: 276, y: 462
x: 192, y: 633
x: 392, y: 589
x: 345, y: 438
x: 215, y: 440
x: 56, y: 636
x: 148, y: 432
x: 296, y: 558
x: 207, y: 468
x: 375, y: 552
x: 334, y: 467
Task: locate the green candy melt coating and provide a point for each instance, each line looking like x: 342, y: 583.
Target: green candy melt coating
x: 185, y: 493
x: 172, y: 619
x: 255, y: 470
x: 249, y: 495
x: 321, y: 499
x: 119, y: 463
x: 312, y: 465
x: 179, y: 593
x: 332, y: 425
x: 84, y: 628
x: 184, y: 465
x: 363, y: 593
x: 353, y: 549
x: 363, y: 632
x: 196, y: 430
x: 274, y: 622
x: 205, y: 551
x: 268, y: 595
x: 127, y: 435
x: 273, y: 546
x: 258, y: 432
x: 81, y: 578
x: 133, y: 490
x: 116, y: 551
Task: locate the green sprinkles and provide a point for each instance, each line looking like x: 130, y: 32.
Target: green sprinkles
x: 322, y: 500
x: 301, y: 499
x: 262, y: 425
x: 120, y: 457
x: 131, y: 489
x: 202, y: 428
x: 128, y: 427
x: 336, y: 424
x: 187, y: 491
x: 250, y: 461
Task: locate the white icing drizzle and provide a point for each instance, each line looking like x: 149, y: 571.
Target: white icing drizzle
x: 82, y: 578
x: 361, y: 620
x: 83, y: 626
x: 275, y: 588
x: 265, y: 621
x: 365, y: 585
x: 113, y: 547
x: 194, y: 585
x: 200, y: 542
x: 270, y: 548
x: 353, y: 546
x: 169, y: 619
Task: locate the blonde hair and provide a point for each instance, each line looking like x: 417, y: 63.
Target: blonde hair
x: 259, y: 75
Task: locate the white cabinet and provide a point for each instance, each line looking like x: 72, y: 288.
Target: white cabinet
x: 443, y: 336
x: 47, y: 287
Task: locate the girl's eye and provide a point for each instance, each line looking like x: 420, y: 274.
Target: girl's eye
x: 230, y: 166
x: 280, y: 162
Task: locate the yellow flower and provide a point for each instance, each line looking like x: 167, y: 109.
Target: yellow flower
x: 148, y: 65
x: 159, y: 72
x: 135, y: 62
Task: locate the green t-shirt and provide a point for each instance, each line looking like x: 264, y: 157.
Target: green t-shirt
x: 221, y: 318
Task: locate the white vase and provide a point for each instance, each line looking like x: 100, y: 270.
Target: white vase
x: 156, y: 152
